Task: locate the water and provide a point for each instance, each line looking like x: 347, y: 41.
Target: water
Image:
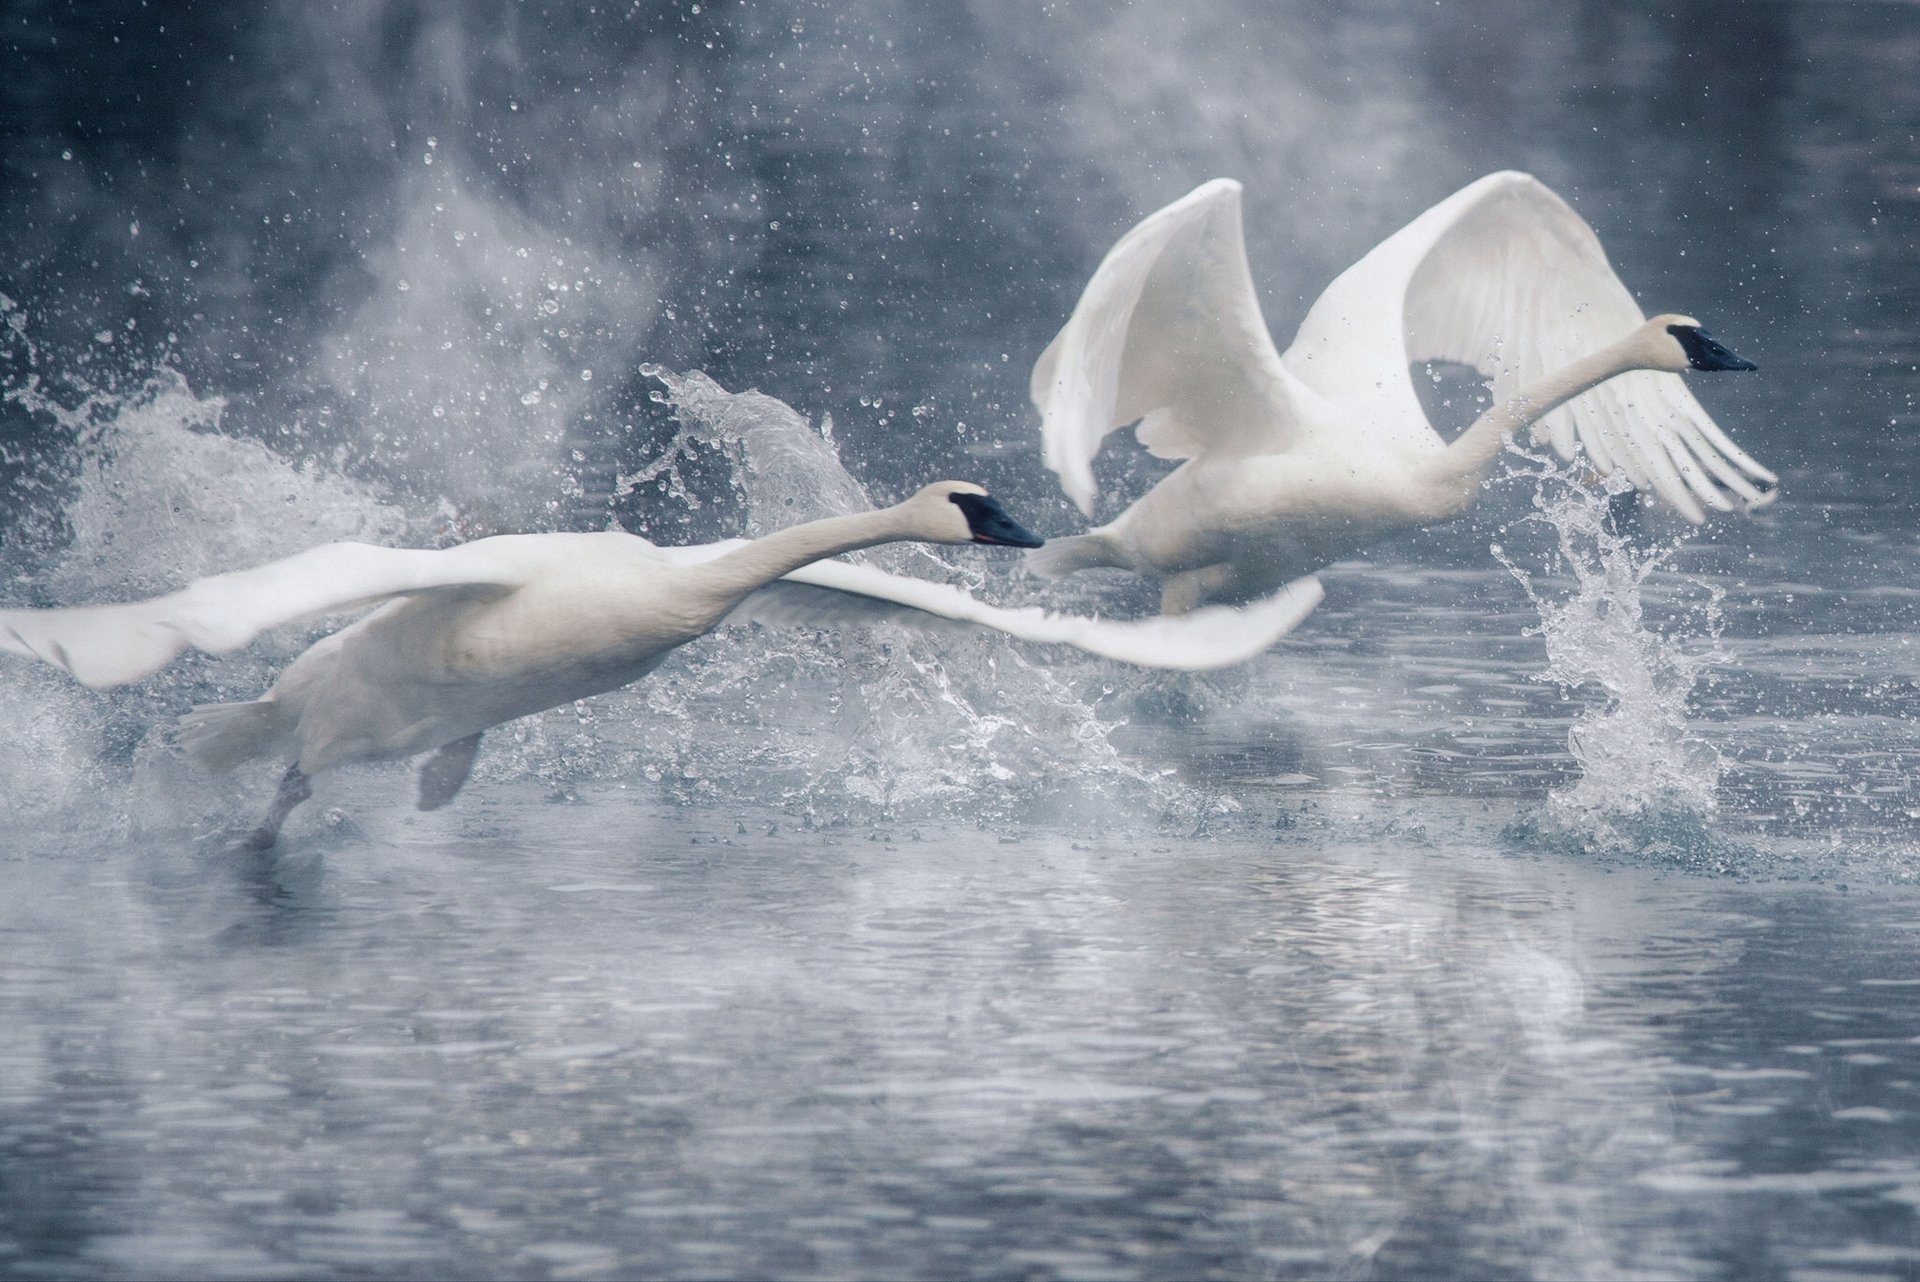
x: 1636, y: 750
x: 506, y: 1044
x: 1548, y: 913
x: 1331, y: 965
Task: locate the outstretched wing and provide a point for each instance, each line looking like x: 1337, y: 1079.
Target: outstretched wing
x: 1168, y: 329
x: 1504, y: 276
x: 107, y: 645
x: 833, y: 594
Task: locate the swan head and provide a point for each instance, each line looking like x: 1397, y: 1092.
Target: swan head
x: 960, y: 512
x: 1681, y: 344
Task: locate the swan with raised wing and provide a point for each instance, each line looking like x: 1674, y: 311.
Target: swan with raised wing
x: 468, y: 637
x: 1295, y: 460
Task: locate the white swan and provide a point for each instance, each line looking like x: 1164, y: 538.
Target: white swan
x: 472, y: 636
x: 1299, y: 459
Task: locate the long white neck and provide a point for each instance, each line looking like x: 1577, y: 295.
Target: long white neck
x: 1466, y: 462
x: 746, y: 569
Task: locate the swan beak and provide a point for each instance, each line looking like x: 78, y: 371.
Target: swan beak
x: 1706, y: 352
x: 990, y: 523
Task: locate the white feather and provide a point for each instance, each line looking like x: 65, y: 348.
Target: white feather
x: 1298, y: 458
x: 108, y: 645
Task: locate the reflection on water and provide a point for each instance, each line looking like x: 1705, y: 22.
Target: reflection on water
x: 510, y: 1042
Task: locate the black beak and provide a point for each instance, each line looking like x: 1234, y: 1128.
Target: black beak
x: 991, y: 524
x: 1704, y: 352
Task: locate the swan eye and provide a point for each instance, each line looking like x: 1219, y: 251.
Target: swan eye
x: 988, y: 522
x: 1705, y: 352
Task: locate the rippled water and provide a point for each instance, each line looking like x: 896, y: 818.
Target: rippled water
x: 1296, y: 970
x: 617, y: 1038
x: 1470, y: 933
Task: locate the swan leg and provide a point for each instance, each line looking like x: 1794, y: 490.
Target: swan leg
x: 446, y: 770
x: 295, y: 788
x: 1191, y: 589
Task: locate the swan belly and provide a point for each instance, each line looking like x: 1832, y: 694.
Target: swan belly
x: 1255, y: 523
x: 428, y: 670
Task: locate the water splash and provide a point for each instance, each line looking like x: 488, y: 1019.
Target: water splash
x: 786, y: 471
x: 914, y: 723
x: 839, y: 727
x: 1638, y: 754
x: 151, y: 494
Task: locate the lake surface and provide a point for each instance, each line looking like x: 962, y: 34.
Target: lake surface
x: 511, y: 1045
x: 1388, y: 954
x: 1344, y: 995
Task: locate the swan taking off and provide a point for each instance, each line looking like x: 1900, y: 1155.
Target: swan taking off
x: 476, y: 635
x: 1296, y: 460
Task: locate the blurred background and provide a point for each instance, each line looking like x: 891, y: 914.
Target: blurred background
x: 428, y: 245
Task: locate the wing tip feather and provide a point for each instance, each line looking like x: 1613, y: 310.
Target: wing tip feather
x: 1214, y: 188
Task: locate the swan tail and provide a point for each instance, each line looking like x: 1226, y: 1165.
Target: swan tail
x: 1073, y: 553
x: 222, y: 735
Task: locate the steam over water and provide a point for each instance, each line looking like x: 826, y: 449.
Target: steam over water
x: 1543, y: 907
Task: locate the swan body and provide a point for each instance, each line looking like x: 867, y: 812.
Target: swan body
x: 1295, y: 460
x: 469, y: 637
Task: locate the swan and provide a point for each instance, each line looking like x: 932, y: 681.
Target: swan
x: 1295, y: 460
x: 468, y: 637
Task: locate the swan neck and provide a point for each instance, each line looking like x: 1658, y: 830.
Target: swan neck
x: 765, y: 559
x: 1468, y: 460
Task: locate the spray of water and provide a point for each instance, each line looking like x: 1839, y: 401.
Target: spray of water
x: 839, y: 727
x: 152, y: 495
x: 1637, y: 752
x: 916, y: 723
